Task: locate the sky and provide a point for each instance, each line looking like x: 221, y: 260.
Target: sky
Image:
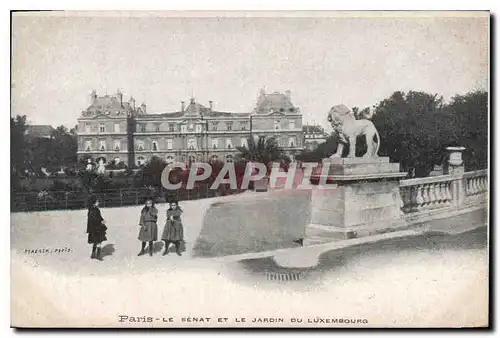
x: 323, y: 60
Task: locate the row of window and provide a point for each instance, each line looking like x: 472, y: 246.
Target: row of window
x: 102, y: 146
x: 192, y: 144
x: 190, y: 159
x: 172, y: 127
x: 102, y: 128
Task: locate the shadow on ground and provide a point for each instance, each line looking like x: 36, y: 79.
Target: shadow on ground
x: 158, y: 247
x: 250, y: 270
x: 108, y: 250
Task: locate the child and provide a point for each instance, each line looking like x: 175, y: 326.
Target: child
x: 96, y: 228
x: 173, y: 232
x: 149, y: 228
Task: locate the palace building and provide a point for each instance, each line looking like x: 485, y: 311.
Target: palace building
x: 314, y: 135
x: 114, y: 130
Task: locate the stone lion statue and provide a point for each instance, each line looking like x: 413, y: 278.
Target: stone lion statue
x: 348, y: 128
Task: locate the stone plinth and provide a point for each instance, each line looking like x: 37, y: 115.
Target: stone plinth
x: 361, y: 198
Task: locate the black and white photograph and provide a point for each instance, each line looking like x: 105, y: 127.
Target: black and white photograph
x: 249, y: 169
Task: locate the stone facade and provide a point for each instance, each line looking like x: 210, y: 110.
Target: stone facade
x: 119, y: 131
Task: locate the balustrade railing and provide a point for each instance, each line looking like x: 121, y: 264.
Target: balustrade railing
x: 426, y: 193
x: 439, y: 192
x: 475, y: 182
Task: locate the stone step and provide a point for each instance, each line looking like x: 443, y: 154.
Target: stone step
x: 328, y: 233
x: 316, y: 240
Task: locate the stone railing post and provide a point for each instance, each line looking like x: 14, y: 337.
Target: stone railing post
x: 456, y: 170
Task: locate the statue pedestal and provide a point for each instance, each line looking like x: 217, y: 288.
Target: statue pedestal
x: 361, y: 198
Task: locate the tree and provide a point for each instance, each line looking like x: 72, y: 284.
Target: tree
x: 151, y: 172
x: 323, y: 150
x: 262, y: 150
x: 53, y: 153
x: 411, y: 127
x: 467, y: 116
x: 18, y: 126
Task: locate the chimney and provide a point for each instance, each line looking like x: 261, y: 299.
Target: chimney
x: 132, y: 103
x: 143, y: 108
x: 182, y: 106
x: 211, y: 104
x: 262, y: 93
x: 119, y: 96
x: 288, y: 95
x: 93, y: 97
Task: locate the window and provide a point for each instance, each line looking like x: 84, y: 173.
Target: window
x: 117, y: 127
x: 155, y: 145
x: 276, y: 124
x: 229, y: 158
x: 171, y: 127
x: 88, y: 145
x: 229, y: 144
x: 157, y: 127
x: 244, y: 126
x: 102, y: 128
x: 87, y: 128
x: 140, y: 160
x: 291, y: 124
x: 214, y: 126
x: 170, y: 144
x: 117, y: 146
x: 140, y: 145
x: 192, y: 144
x: 199, y: 128
x: 142, y: 128
x: 183, y: 128
x: 215, y: 143
x: 292, y: 142
x: 282, y: 142
x: 102, y: 145
x: 229, y: 126
x: 244, y: 142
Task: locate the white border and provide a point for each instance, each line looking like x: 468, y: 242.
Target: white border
x: 181, y: 5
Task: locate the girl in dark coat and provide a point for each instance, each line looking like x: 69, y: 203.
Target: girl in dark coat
x: 149, y: 228
x: 96, y: 228
x: 173, y: 232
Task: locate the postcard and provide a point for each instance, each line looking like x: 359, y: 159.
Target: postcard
x: 231, y: 169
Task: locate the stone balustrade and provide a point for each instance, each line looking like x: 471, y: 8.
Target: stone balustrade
x: 443, y: 192
x: 475, y: 182
x: 426, y: 193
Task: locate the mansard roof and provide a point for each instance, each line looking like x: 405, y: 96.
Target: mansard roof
x: 274, y: 102
x: 111, y: 107
x: 108, y: 102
